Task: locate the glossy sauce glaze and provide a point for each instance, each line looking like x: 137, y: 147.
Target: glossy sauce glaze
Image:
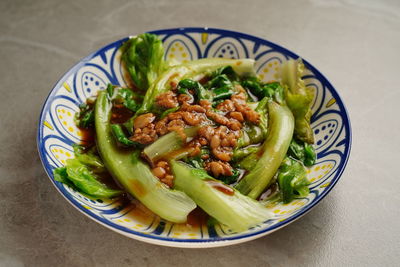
x: 220, y: 186
x: 87, y: 136
x: 106, y: 179
x: 271, y: 190
x: 141, y: 214
x: 120, y: 114
x: 196, y: 218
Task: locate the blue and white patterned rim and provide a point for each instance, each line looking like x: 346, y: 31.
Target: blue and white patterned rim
x: 215, y: 241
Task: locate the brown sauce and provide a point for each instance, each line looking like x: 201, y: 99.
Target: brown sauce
x: 260, y: 152
x: 270, y: 191
x: 221, y: 187
x: 126, y: 200
x: 204, y: 80
x: 120, y: 114
x: 87, y: 136
x: 197, y: 218
x: 126, y: 75
x: 138, y: 188
x: 137, y: 211
x: 106, y: 179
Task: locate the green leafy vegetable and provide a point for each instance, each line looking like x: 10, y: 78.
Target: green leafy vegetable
x: 81, y: 177
x: 255, y: 134
x: 221, y: 86
x: 243, y: 152
x: 272, y: 152
x: 292, y: 180
x: 120, y: 136
x: 244, y: 139
x: 81, y: 173
x: 222, y: 93
x: 143, y: 58
x: 220, y: 201
x: 89, y: 157
x: 167, y: 144
x: 226, y: 70
x: 220, y: 81
x: 303, y: 152
x: 217, y: 89
x: 230, y: 179
x: 61, y: 175
x: 276, y: 91
x: 250, y: 161
x: 85, y: 117
x: 271, y: 90
x: 262, y: 109
x: 254, y: 85
x: 110, y: 90
x: 188, y: 84
x: 197, y: 161
x: 298, y: 98
x: 126, y: 97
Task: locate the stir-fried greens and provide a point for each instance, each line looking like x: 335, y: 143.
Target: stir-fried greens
x: 206, y: 133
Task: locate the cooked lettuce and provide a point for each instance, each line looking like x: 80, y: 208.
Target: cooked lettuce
x: 221, y: 87
x: 89, y: 157
x: 60, y: 175
x: 85, y: 117
x: 143, y: 56
x: 217, y: 89
x: 226, y: 70
x: 126, y: 97
x: 292, y: 180
x: 272, y: 152
x: 241, y: 153
x: 199, y: 91
x: 83, y: 179
x: 302, y: 151
x: 261, y: 90
x: 120, y: 136
x: 168, y: 144
x: 82, y: 173
x: 222, y: 202
x: 298, y: 98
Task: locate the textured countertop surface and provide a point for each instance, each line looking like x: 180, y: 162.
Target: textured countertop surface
x: 354, y: 43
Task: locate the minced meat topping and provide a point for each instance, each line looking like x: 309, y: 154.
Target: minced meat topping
x: 219, y: 128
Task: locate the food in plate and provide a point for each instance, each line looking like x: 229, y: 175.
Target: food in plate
x: 206, y: 133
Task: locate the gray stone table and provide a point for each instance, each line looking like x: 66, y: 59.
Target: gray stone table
x: 354, y: 43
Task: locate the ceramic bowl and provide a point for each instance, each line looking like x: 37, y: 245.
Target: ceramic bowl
x: 57, y: 132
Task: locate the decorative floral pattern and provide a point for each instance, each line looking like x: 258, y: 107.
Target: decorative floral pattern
x: 57, y: 133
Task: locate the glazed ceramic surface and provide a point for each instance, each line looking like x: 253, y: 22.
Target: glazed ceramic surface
x: 57, y: 132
